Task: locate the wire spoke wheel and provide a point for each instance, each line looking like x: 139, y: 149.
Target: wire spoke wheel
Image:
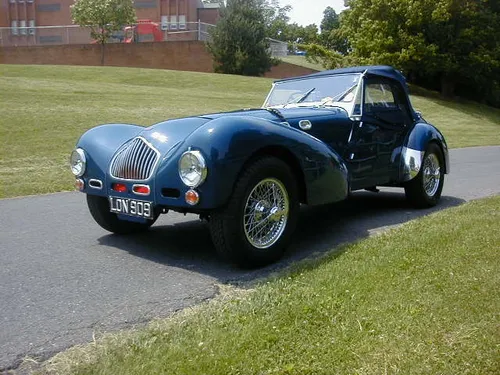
x: 431, y: 174
x: 425, y: 189
x: 266, y: 213
x: 257, y: 223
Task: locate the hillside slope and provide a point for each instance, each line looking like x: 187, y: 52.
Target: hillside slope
x: 46, y: 108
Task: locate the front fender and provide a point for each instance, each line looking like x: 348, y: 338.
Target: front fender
x: 229, y: 142
x: 415, y: 146
x: 100, y: 144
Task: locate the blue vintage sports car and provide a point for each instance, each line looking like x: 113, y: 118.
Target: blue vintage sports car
x: 315, y: 139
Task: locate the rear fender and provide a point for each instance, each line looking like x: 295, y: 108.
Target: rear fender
x: 414, y: 150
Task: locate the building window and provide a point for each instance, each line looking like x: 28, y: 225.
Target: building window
x: 48, y: 7
x: 173, y: 23
x: 164, y: 22
x: 145, y: 4
x: 22, y: 27
x: 31, y: 30
x: 14, y: 29
x: 50, y: 39
x: 182, y: 22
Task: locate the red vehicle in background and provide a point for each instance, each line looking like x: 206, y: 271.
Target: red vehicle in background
x: 144, y: 31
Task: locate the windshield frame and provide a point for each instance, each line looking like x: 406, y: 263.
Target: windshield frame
x: 349, y: 107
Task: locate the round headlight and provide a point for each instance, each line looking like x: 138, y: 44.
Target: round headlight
x: 78, y: 162
x: 192, y: 168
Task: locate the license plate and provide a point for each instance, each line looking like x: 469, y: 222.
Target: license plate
x: 131, y: 207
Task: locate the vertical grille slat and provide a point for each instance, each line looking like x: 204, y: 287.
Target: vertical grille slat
x: 135, y: 161
x: 131, y: 160
x: 135, y: 151
x: 148, y: 163
x: 140, y: 161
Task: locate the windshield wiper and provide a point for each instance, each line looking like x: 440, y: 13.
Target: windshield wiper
x: 277, y: 113
x: 302, y: 98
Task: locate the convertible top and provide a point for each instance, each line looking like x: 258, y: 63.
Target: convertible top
x: 378, y: 70
x: 371, y: 70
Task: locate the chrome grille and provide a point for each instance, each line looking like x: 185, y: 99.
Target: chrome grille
x: 135, y: 161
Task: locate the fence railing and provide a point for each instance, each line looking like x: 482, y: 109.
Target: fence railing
x: 74, y: 34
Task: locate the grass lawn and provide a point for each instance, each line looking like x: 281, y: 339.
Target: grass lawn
x: 418, y: 299
x: 44, y: 109
x: 301, y: 61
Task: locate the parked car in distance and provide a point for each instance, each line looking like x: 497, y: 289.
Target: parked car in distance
x: 316, y: 139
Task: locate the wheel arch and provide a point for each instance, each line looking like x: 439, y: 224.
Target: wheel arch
x: 419, y: 139
x: 444, y: 152
x: 285, y: 155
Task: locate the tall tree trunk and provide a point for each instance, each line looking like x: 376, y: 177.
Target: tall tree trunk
x: 102, y: 53
x: 447, y: 86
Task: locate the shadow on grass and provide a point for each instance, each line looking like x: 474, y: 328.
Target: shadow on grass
x: 477, y: 110
x: 320, y: 230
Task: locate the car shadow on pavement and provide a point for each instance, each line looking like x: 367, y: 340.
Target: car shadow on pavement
x: 188, y: 245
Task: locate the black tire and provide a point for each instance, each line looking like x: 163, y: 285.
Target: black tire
x: 99, y: 209
x: 416, y: 191
x: 231, y: 234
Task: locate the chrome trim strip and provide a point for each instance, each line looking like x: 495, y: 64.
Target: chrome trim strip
x: 135, y: 156
x: 98, y: 184
x: 268, y: 95
x: 412, y: 162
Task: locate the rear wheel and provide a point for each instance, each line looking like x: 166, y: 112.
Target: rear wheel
x: 255, y: 227
x: 99, y: 209
x: 425, y: 189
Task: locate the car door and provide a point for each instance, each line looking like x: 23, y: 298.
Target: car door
x: 333, y: 129
x: 377, y: 137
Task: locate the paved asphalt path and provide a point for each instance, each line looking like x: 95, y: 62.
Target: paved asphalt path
x: 63, y: 278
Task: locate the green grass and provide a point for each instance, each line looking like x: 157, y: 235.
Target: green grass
x: 418, y: 299
x: 301, y: 61
x: 44, y: 109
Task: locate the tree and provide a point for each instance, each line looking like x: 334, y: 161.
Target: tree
x: 330, y: 20
x: 452, y: 42
x: 331, y: 35
x: 277, y: 20
x: 238, y: 42
x: 321, y: 55
x: 103, y: 17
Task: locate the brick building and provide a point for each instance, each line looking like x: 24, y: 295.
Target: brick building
x: 32, y: 22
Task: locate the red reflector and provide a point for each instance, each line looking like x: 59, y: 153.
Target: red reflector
x: 141, y: 189
x: 121, y: 188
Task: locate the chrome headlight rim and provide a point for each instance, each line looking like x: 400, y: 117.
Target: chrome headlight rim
x: 78, y: 162
x: 198, y: 156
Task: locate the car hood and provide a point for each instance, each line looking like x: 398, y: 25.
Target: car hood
x: 167, y: 134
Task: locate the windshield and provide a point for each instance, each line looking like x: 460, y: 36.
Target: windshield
x: 336, y: 90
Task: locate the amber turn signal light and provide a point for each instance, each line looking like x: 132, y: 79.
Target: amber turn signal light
x: 192, y: 197
x: 79, y: 184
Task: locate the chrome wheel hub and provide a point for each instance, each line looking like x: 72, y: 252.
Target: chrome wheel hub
x: 266, y: 213
x: 432, y: 174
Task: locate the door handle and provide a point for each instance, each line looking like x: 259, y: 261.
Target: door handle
x: 305, y: 124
